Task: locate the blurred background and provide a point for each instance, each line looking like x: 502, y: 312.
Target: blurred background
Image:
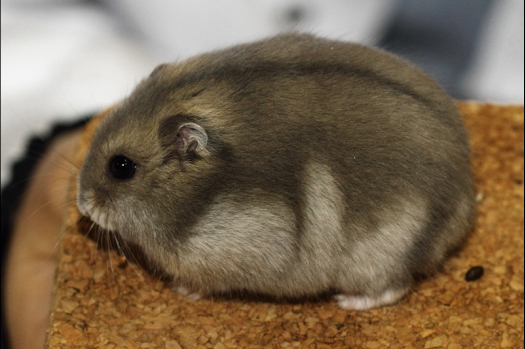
x: 63, y: 59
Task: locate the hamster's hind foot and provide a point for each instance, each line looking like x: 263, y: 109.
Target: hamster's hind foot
x: 183, y: 291
x: 351, y: 302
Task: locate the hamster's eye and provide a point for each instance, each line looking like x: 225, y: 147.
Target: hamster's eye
x: 122, y: 167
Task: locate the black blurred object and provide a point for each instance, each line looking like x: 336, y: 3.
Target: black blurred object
x: 474, y: 273
x: 439, y: 36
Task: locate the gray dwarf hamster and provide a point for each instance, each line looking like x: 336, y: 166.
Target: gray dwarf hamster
x: 287, y: 167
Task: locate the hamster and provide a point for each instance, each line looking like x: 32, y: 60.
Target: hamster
x: 287, y: 167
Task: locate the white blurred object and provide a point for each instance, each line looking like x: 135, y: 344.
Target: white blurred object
x: 497, y: 73
x: 60, y: 62
x: 185, y: 28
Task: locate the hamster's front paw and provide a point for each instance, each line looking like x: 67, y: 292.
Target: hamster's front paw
x: 184, y: 291
x: 351, y: 302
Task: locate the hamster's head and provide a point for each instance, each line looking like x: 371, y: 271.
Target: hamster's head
x: 149, y: 159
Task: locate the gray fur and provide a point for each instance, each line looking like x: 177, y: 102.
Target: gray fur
x: 289, y: 167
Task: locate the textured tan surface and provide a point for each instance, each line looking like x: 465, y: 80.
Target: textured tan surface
x: 98, y: 304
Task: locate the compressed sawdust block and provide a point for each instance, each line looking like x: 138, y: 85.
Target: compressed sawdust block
x: 101, y: 302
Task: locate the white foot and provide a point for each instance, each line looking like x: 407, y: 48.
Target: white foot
x: 183, y: 291
x: 350, y: 302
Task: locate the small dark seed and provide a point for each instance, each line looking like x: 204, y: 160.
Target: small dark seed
x: 474, y: 273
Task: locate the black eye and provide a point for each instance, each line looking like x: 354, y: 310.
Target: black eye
x: 122, y: 167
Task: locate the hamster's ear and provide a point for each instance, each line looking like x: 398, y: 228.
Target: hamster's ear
x: 191, y: 141
x: 158, y: 70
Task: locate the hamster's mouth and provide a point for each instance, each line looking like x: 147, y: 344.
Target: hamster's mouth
x: 102, y: 219
x: 88, y: 208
